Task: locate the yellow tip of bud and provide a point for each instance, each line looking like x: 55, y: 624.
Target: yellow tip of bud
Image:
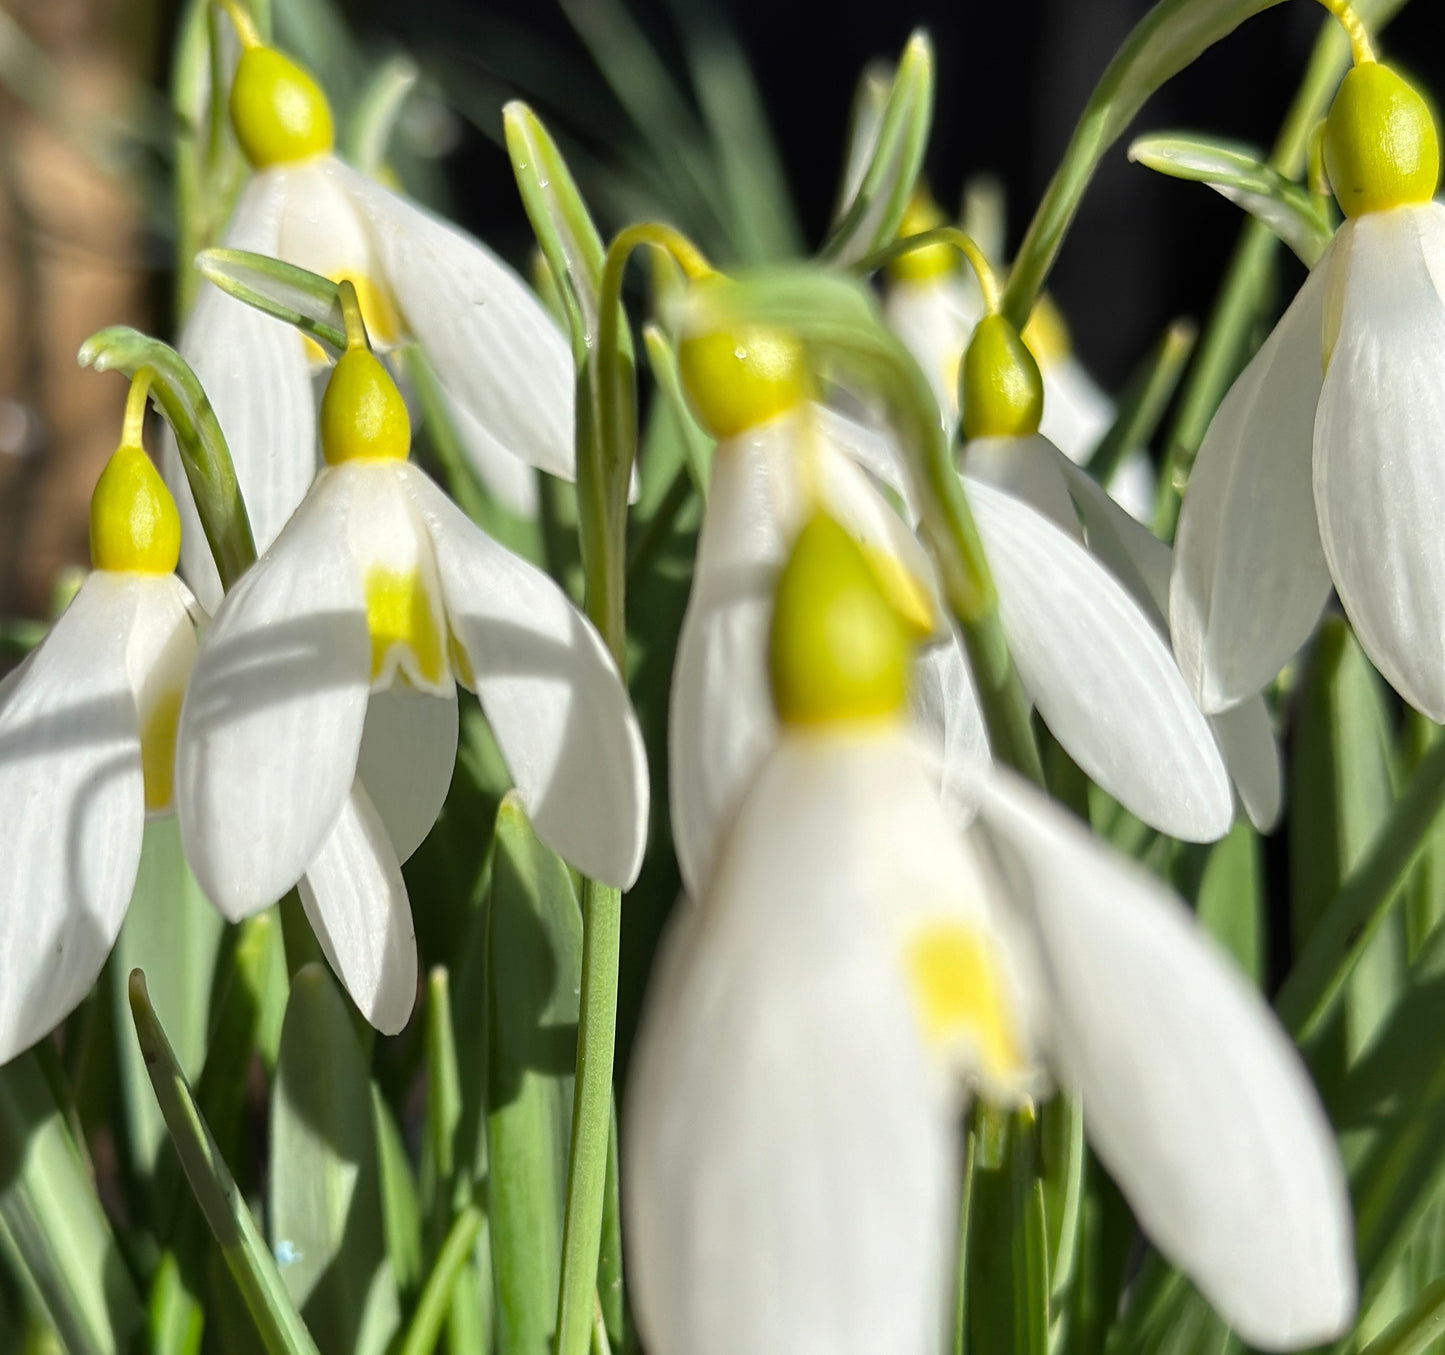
x: 1381, y: 146
x: 363, y: 416
x: 1001, y: 391
x: 739, y: 377
x: 837, y: 650
x: 278, y: 110
x: 929, y: 261
x: 134, y: 526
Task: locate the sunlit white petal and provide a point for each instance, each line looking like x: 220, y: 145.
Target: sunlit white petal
x: 497, y: 352
x: 255, y: 372
x: 72, y: 800
x: 509, y: 479
x: 1100, y: 673
x: 935, y: 317
x: 550, y: 691
x: 357, y: 905
x: 408, y: 754
x: 1193, y: 1095
x: 272, y: 721
x: 946, y: 711
x: 1031, y: 469
x: 1379, y: 447
x: 1245, y: 735
x: 790, y: 1159
x: 1249, y: 571
x: 1076, y: 412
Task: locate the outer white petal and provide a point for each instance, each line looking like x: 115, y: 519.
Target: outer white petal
x: 935, y: 319
x: 1100, y: 673
x: 509, y: 479
x: 408, y: 755
x: 945, y: 709
x: 73, y: 806
x: 255, y: 371
x: 272, y: 721
x: 550, y: 692
x: 1142, y: 563
x: 1135, y: 485
x: 322, y: 230
x: 1076, y: 412
x: 1032, y: 469
x: 1379, y: 449
x: 790, y: 1161
x: 1246, y: 740
x: 1249, y: 572
x: 493, y: 345
x: 1193, y: 1095
x: 870, y: 443
x: 357, y: 904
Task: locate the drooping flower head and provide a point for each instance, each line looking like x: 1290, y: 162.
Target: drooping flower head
x: 1323, y: 464
x: 87, y: 745
x: 502, y: 363
x: 318, y: 736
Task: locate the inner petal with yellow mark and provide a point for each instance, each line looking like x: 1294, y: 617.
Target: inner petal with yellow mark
x: 158, y: 748
x: 961, y: 997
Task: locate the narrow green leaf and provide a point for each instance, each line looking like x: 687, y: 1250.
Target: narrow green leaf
x: 400, y: 1210
x: 1416, y: 1329
x: 1232, y: 899
x: 535, y: 975
x: 870, y: 98
x: 561, y: 222
x: 871, y: 218
x: 376, y: 111
x: 325, y: 1190
x: 1144, y: 401
x: 1061, y: 1159
x: 203, y: 448
x: 443, y: 1104
x: 307, y: 300
x: 696, y: 444
x: 53, y: 1233
x: 242, y: 1246
x: 172, y: 931
x: 435, y: 1303
x: 1350, y: 851
x: 1242, y: 175
x: 175, y: 1318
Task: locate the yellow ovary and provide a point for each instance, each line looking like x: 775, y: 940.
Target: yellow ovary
x: 405, y: 634
x: 739, y: 377
x: 158, y: 749
x: 134, y: 526
x: 278, y: 110
x: 958, y: 995
x: 906, y: 592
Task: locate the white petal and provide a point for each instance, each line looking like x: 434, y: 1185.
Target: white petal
x: 509, y: 479
x: 322, y: 230
x: 1076, y: 412
x: 72, y: 803
x: 945, y: 709
x: 1379, y: 450
x: 1100, y: 673
x: 408, y: 754
x: 935, y: 319
x: 1246, y: 740
x: 1031, y: 469
x: 790, y: 1161
x: 1193, y: 1095
x: 868, y: 441
x: 499, y: 354
x: 550, y: 692
x: 272, y: 721
x: 356, y: 901
x: 255, y: 371
x: 1135, y: 485
x: 1249, y: 572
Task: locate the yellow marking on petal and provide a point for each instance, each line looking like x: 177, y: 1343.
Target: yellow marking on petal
x: 954, y: 978
x: 400, y: 617
x: 134, y: 526
x: 158, y: 749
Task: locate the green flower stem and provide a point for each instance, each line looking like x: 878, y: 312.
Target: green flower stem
x: 591, y: 1117
x: 1363, y: 902
x: 941, y: 235
x: 606, y: 447
x: 435, y: 1302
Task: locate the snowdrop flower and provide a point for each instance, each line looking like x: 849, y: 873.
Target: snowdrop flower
x: 857, y: 966
x: 504, y: 366
x: 1095, y: 665
x: 87, y: 739
x: 1326, y: 460
x: 933, y: 307
x: 318, y: 735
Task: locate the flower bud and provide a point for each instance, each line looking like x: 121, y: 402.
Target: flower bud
x: 363, y: 416
x: 278, y: 110
x: 739, y: 377
x: 1001, y: 392
x: 837, y: 650
x: 1381, y: 147
x: 134, y: 526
